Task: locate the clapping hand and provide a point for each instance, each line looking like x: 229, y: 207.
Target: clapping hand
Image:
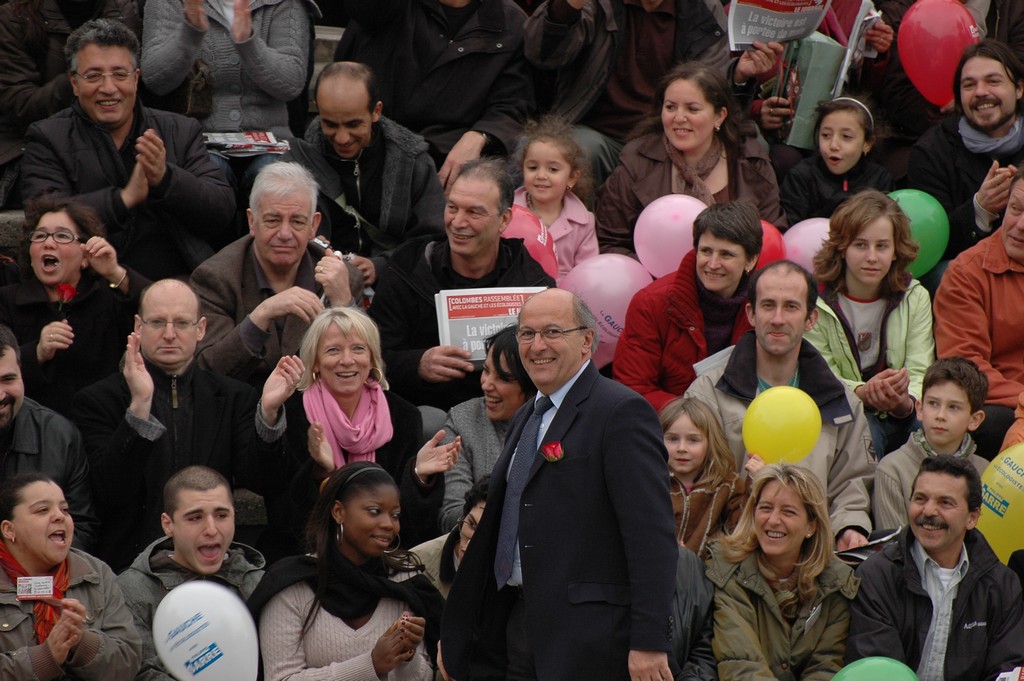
x: 67, y: 632
x: 279, y: 386
x: 434, y: 458
x: 319, y: 448
x: 140, y: 383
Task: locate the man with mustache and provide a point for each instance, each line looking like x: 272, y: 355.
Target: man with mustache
x: 967, y: 162
x: 938, y: 599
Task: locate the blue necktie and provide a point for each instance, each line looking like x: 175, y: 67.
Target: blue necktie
x: 526, y: 452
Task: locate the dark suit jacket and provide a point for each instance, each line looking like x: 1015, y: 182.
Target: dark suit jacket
x: 128, y: 480
x: 596, y: 542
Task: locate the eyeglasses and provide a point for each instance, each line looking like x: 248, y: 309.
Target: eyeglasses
x: 467, y: 528
x: 552, y: 334
x: 94, y: 77
x: 180, y: 325
x: 38, y: 236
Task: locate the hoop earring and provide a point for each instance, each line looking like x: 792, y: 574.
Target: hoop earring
x: 397, y: 542
x: 376, y: 374
x: 314, y: 377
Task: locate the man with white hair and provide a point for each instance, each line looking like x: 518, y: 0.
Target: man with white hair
x: 260, y: 293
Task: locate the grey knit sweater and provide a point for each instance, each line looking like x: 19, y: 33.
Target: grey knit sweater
x: 253, y: 80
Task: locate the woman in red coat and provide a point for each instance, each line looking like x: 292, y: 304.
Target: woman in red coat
x: 698, y: 310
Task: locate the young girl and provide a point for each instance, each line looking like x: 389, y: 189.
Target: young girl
x: 556, y: 186
x: 874, y: 319
x: 818, y: 184
x: 707, y: 495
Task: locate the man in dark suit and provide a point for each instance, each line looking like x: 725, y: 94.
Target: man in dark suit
x: 163, y: 413
x: 570, y: 573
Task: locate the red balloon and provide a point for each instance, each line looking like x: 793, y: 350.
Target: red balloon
x: 536, y: 237
x: 932, y: 36
x: 773, y: 248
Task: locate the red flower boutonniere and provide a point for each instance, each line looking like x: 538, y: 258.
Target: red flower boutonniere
x: 65, y: 294
x: 552, y: 451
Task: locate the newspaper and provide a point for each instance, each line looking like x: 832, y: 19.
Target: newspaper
x: 467, y: 317
x: 238, y: 144
x: 857, y: 48
x: 778, y: 20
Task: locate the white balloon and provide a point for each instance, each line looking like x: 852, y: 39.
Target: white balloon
x: 203, y: 630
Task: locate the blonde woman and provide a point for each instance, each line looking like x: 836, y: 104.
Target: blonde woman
x: 781, y: 597
x: 352, y: 416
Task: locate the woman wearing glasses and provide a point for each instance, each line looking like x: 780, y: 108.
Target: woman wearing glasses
x: 352, y: 416
x: 75, y: 305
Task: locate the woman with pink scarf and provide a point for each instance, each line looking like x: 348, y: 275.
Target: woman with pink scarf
x: 352, y: 416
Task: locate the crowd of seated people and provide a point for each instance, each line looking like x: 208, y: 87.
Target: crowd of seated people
x: 152, y: 362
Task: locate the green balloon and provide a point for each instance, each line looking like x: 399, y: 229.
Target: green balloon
x: 876, y: 669
x: 929, y: 225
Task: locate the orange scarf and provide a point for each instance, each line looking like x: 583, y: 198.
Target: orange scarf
x: 45, y: 614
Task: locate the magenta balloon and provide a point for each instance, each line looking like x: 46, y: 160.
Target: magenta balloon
x: 607, y: 283
x: 664, y: 232
x: 803, y: 241
x: 932, y: 36
x: 536, y: 237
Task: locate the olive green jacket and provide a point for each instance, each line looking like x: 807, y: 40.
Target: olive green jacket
x: 753, y: 641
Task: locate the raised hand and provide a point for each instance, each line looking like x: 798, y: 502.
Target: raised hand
x: 195, y: 15
x: 331, y: 272
x: 140, y: 383
x: 319, y: 448
x: 152, y: 156
x: 279, y: 386
x: 434, y: 458
x: 102, y: 257
x: 241, y: 25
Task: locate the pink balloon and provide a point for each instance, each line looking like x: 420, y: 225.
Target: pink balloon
x: 607, y: 283
x: 803, y: 241
x: 536, y: 237
x: 933, y: 35
x: 664, y: 232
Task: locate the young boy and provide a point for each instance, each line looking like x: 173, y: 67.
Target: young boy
x: 954, y: 392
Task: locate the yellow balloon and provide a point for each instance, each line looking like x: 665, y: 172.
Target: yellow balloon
x: 1002, y: 508
x: 782, y: 424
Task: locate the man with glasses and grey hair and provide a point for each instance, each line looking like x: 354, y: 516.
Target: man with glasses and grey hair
x: 472, y: 254
x: 162, y: 413
x: 166, y: 205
